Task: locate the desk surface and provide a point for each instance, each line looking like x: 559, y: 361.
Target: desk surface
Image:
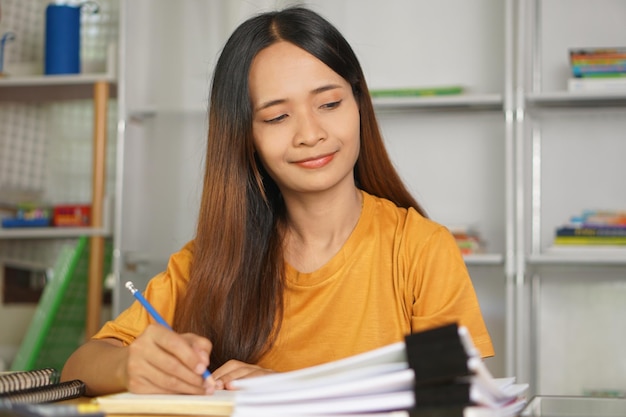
x: 88, y: 400
x: 539, y: 406
x: 564, y: 406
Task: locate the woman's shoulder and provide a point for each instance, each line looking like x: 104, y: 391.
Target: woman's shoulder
x: 182, y: 259
x: 175, y: 278
x: 177, y: 271
x: 387, y: 211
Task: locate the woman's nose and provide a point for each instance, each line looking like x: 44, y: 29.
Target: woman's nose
x: 309, y: 130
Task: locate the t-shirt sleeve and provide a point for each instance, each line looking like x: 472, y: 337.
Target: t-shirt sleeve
x: 443, y: 292
x: 163, y: 292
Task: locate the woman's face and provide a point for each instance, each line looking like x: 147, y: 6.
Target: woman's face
x: 306, y: 124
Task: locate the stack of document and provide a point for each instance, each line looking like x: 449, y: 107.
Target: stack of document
x: 432, y: 373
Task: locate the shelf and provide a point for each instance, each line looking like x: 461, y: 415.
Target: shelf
x: 577, y: 99
x: 53, y: 232
x: 141, y: 114
x: 52, y: 87
x: 19, y: 263
x: 484, y: 259
x: 451, y: 102
x: 392, y: 104
x: 580, y: 255
x: 98, y: 88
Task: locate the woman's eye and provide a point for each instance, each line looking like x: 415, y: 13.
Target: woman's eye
x: 276, y: 119
x: 331, y: 105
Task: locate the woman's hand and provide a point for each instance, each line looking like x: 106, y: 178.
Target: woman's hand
x: 162, y: 361
x: 233, y: 369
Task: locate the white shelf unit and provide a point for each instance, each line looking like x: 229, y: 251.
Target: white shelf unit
x: 569, y: 157
x: 465, y: 105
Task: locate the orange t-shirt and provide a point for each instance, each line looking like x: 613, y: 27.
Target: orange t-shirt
x: 397, y: 273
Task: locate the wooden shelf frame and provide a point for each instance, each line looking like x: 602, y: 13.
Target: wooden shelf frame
x: 99, y: 88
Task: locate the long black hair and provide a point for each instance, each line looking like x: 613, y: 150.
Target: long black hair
x: 235, y: 292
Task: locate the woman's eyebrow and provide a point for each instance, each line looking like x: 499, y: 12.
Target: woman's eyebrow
x: 315, y: 91
x: 270, y: 103
x: 325, y: 88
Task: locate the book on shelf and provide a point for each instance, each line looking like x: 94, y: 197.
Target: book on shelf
x: 37, y: 386
x: 432, y: 372
x: 598, y: 70
x: 590, y: 240
x: 601, y: 84
x: 417, y: 91
x: 468, y: 239
x: 601, y: 62
x: 594, y: 55
x: 587, y: 252
x: 591, y: 230
x: 600, y: 218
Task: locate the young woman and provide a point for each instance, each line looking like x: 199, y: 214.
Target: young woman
x: 308, y: 248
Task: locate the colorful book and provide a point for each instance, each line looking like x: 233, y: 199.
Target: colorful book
x: 597, y: 62
x: 591, y: 231
x: 582, y: 70
x: 586, y: 53
x: 600, y: 218
x: 590, y: 240
x: 417, y: 92
x: 590, y: 83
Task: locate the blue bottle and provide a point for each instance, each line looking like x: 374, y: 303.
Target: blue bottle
x: 62, y: 42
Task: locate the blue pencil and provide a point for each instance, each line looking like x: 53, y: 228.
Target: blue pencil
x: 155, y: 315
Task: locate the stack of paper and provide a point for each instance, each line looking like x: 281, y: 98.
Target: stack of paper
x: 437, y: 372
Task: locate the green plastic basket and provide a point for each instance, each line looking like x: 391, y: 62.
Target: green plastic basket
x: 58, y: 325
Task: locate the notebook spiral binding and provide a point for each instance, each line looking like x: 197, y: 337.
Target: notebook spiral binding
x: 17, y: 381
x: 57, y: 392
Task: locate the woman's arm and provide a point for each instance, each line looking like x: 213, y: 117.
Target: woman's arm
x: 100, y: 364
x: 158, y: 361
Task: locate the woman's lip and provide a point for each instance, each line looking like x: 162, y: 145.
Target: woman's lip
x: 316, y: 162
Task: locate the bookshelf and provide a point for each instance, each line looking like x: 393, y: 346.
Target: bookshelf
x: 97, y: 87
x: 70, y: 115
x: 39, y: 88
x: 567, y: 153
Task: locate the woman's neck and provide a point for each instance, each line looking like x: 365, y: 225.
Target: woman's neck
x: 318, y: 226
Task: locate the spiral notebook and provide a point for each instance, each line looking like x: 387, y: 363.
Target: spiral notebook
x: 15, y: 381
x: 38, y: 386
